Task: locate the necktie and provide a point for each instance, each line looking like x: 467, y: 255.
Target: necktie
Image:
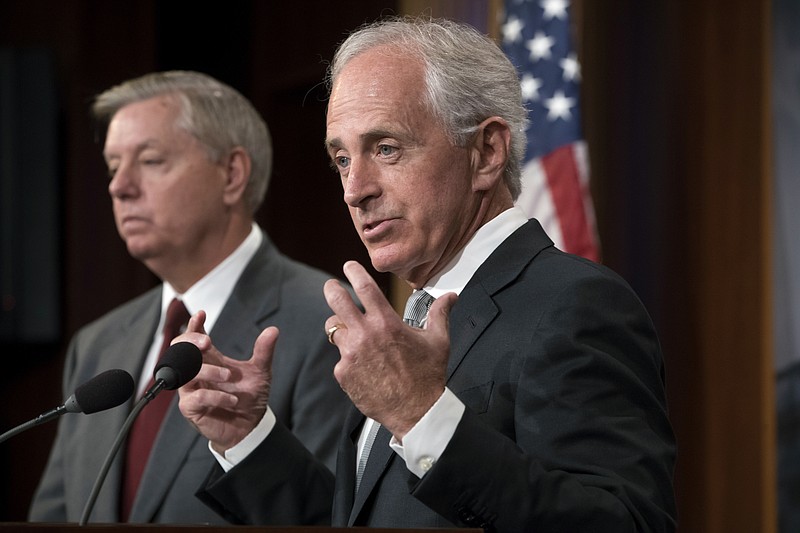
x: 417, y: 308
x: 362, y: 461
x: 146, y: 426
x: 414, y: 315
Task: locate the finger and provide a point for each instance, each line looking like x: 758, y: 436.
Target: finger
x: 203, y: 342
x: 203, y: 400
x: 212, y: 374
x: 197, y: 323
x: 264, y: 348
x: 439, y: 313
x: 341, y: 302
x: 367, y: 290
x: 332, y: 321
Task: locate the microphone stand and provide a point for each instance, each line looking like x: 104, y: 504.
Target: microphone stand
x: 98, y: 484
x: 41, y: 419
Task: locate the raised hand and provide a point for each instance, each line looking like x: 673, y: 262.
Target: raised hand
x: 392, y: 372
x: 228, y: 397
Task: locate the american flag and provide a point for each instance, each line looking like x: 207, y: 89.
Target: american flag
x: 555, y: 177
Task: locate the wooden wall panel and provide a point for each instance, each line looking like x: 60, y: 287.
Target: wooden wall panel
x: 677, y: 115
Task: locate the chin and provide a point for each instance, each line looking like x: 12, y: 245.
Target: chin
x: 384, y: 260
x: 139, y: 250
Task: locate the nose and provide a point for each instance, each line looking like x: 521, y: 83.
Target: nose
x: 361, y: 184
x: 124, y: 183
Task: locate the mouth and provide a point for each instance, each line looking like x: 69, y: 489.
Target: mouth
x: 131, y: 220
x: 376, y: 228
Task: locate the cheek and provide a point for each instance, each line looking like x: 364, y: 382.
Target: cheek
x: 443, y: 202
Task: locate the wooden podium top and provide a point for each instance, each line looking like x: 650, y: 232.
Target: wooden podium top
x: 31, y: 527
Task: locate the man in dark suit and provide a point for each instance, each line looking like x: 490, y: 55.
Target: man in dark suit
x: 528, y: 396
x: 189, y: 160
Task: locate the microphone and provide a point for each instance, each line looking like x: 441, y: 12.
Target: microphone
x: 180, y: 364
x: 104, y: 391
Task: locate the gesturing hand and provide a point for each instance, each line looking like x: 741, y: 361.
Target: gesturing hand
x: 392, y: 372
x: 227, y: 398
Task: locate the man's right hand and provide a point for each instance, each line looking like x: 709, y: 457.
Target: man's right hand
x: 228, y: 397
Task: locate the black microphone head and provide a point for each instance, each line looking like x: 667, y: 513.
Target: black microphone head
x: 104, y: 391
x: 179, y: 364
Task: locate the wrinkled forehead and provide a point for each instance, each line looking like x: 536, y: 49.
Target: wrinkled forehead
x: 383, y: 71
x: 376, y: 93
x: 378, y: 82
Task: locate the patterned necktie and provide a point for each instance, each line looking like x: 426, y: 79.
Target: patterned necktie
x: 417, y: 308
x: 146, y: 426
x: 415, y: 315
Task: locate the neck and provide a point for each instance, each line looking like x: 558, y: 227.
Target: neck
x: 488, y: 208
x: 184, y: 272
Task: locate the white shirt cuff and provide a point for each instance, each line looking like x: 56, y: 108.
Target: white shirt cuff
x: 425, y: 442
x: 236, y: 454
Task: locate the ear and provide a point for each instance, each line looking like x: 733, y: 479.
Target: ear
x: 237, y: 173
x: 491, y: 147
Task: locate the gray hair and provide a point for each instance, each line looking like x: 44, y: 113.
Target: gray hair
x: 214, y: 113
x: 468, y: 77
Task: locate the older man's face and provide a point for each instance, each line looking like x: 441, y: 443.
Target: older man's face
x: 409, y: 190
x: 167, y: 194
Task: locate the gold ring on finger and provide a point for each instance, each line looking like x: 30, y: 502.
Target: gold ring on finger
x: 333, y: 329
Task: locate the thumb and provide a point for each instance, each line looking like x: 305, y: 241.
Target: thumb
x: 439, y: 313
x: 264, y: 348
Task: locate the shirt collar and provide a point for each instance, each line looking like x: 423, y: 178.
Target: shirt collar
x: 454, y: 277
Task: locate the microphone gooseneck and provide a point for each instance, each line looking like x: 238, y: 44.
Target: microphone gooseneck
x: 179, y: 365
x: 104, y: 391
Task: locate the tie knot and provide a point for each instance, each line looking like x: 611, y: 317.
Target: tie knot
x: 417, y: 308
x: 177, y: 318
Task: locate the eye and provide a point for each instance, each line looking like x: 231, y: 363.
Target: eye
x: 386, y: 150
x: 111, y: 172
x: 342, y: 161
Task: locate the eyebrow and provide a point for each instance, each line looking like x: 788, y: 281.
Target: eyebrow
x: 332, y: 144
x: 147, y: 143
x: 365, y: 138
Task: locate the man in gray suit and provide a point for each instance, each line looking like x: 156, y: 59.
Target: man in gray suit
x: 189, y: 160
x: 528, y: 396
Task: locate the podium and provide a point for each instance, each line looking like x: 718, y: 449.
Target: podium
x: 43, y: 527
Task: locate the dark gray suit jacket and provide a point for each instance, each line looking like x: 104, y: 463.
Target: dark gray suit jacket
x: 565, y: 429
x: 272, y: 291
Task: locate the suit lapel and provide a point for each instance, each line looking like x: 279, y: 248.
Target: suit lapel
x: 126, y: 351
x: 170, y: 451
x: 476, y: 308
x: 254, y: 297
x: 472, y: 314
x: 380, y: 456
x: 346, y: 467
x: 469, y: 318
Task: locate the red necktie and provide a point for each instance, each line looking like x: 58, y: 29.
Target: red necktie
x: 146, y: 426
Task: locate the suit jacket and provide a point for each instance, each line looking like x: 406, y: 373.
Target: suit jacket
x: 272, y: 290
x: 565, y: 427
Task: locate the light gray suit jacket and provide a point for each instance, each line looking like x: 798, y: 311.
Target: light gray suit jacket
x: 272, y: 291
